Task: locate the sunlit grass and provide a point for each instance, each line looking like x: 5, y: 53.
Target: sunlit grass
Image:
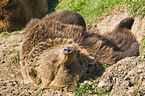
x: 92, y: 10
x: 143, y: 47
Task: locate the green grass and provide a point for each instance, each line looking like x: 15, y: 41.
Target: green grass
x: 92, y: 10
x: 12, y: 51
x: 5, y: 34
x: 86, y: 89
x: 16, y: 58
x: 90, y: 89
x: 15, y: 44
x: 143, y: 47
x: 51, y: 5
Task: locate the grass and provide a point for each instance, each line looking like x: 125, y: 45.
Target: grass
x: 15, y: 44
x: 12, y: 51
x: 92, y: 10
x: 143, y: 47
x: 16, y: 58
x: 51, y: 5
x: 5, y: 34
x: 86, y: 89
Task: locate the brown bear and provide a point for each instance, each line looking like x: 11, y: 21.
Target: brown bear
x: 15, y: 14
x: 53, y: 52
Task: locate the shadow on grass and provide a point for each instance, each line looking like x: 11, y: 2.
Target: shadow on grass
x: 93, y: 71
x: 52, y: 5
x: 89, y: 88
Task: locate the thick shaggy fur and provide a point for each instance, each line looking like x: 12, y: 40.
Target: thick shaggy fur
x: 48, y: 35
x: 47, y: 66
x: 14, y: 14
x: 44, y: 47
x: 50, y: 28
x: 69, y: 17
x: 113, y: 46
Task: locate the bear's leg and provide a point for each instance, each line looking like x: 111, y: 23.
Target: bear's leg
x: 124, y: 39
x: 125, y: 23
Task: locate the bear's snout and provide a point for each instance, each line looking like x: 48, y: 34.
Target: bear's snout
x: 67, y: 50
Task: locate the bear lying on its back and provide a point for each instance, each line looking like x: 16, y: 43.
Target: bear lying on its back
x: 57, y: 53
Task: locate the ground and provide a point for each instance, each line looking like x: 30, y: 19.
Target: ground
x: 11, y: 81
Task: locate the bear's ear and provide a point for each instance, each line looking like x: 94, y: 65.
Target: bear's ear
x: 125, y: 23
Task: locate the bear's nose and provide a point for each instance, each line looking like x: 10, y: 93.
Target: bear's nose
x: 67, y: 50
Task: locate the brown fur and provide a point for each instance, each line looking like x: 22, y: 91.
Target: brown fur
x: 50, y: 29
x: 37, y: 46
x: 42, y: 61
x: 37, y: 8
x: 69, y: 17
x: 113, y: 46
x: 48, y: 67
x: 14, y: 14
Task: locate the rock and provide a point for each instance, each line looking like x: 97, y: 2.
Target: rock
x: 131, y: 83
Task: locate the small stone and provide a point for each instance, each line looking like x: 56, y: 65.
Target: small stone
x: 4, y: 87
x: 12, y: 75
x: 101, y: 84
x: 139, y: 71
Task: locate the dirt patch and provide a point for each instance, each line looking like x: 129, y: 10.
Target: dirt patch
x: 11, y: 81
